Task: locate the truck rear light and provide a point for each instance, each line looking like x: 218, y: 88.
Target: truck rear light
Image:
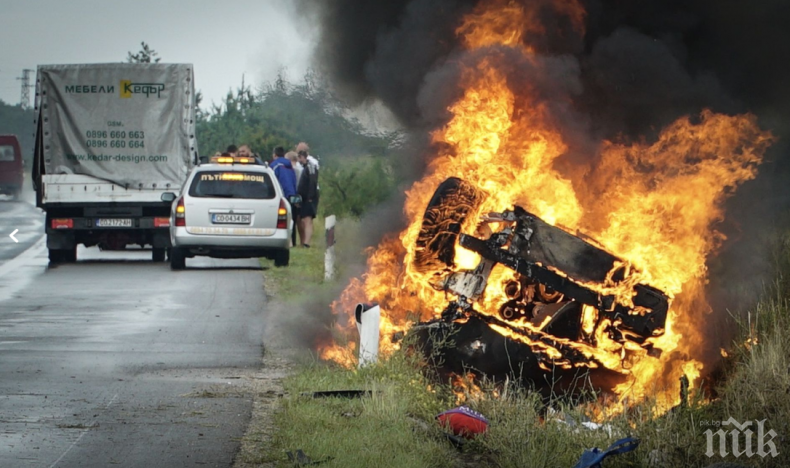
x: 181, y: 213
x: 282, y: 216
x: 62, y: 223
x: 161, y: 222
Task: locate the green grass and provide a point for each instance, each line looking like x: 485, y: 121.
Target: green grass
x: 393, y: 427
x: 305, y: 269
x: 396, y: 428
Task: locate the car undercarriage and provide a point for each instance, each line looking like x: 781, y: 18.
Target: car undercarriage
x: 567, y: 296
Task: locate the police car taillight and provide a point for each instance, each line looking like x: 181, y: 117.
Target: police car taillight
x: 282, y: 216
x: 181, y: 213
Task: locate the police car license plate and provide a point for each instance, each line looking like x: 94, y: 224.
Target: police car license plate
x: 221, y: 218
x: 113, y: 222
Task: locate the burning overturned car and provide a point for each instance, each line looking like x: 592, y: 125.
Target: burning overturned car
x: 566, y: 306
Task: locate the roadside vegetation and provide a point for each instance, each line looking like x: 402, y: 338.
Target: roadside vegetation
x: 394, y: 425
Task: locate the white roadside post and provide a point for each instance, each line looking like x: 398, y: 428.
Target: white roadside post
x: 368, y: 321
x: 329, y: 255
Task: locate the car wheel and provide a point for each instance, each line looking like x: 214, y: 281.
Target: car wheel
x: 178, y: 259
x: 158, y: 255
x: 282, y: 258
x: 444, y: 217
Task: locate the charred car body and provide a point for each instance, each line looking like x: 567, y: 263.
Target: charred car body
x: 562, y: 301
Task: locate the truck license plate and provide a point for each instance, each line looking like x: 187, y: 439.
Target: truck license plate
x: 113, y: 222
x: 231, y: 219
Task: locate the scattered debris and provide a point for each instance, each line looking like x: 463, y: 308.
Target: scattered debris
x: 592, y: 458
x: 299, y: 458
x: 338, y: 394
x: 463, y: 421
x: 458, y: 442
x: 78, y: 426
x: 585, y: 423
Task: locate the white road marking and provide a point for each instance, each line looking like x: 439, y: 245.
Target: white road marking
x: 22, y: 259
x: 16, y: 273
x: 84, y: 431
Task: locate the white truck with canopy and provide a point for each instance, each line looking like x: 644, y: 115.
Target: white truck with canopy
x: 114, y: 144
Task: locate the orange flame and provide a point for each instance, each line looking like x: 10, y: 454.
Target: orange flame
x: 466, y: 389
x: 653, y: 204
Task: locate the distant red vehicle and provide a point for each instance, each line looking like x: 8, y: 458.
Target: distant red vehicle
x: 10, y: 166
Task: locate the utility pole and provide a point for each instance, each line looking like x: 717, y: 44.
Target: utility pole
x: 24, y: 100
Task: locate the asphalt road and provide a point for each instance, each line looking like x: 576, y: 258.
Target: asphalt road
x: 117, y: 361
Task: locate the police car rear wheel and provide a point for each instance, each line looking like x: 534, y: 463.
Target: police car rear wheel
x: 177, y: 259
x: 282, y: 258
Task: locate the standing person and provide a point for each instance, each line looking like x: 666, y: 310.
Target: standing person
x: 291, y: 156
x: 308, y: 190
x: 244, y: 151
x: 298, y: 168
x: 284, y: 171
x: 302, y: 146
x: 232, y: 150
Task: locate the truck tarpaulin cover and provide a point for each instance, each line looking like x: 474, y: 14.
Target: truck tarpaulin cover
x: 131, y: 124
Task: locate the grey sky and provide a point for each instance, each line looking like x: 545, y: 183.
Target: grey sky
x: 223, y: 39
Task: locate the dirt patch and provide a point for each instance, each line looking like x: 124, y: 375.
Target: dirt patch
x: 266, y: 388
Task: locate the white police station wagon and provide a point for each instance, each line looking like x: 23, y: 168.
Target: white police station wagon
x: 231, y: 207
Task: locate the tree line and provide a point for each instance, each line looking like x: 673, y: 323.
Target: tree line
x: 356, y: 163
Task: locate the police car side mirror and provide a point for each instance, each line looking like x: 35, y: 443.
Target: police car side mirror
x: 168, y: 197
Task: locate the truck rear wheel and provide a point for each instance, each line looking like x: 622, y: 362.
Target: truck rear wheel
x: 178, y: 259
x: 55, y: 256
x: 158, y: 255
x: 63, y: 255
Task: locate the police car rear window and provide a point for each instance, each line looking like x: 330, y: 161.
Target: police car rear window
x: 232, y: 184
